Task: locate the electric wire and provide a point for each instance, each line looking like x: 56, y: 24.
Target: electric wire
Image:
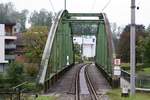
x: 52, y: 7
x: 106, y: 5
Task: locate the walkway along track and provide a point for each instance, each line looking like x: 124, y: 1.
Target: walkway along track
x: 90, y: 86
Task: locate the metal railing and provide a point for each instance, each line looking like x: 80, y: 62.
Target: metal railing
x: 10, y: 46
x: 9, y: 34
x: 9, y: 57
x: 22, y: 91
x: 125, y: 75
x: 13, y: 93
x: 142, y: 81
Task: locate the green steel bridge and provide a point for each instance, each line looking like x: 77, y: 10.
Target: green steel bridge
x: 58, y: 54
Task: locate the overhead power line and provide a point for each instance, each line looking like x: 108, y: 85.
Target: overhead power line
x: 52, y: 7
x: 106, y: 5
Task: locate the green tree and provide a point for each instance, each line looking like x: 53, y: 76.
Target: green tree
x: 147, y: 49
x: 148, y: 29
x: 31, y: 70
x: 140, y: 49
x: 124, y: 47
x: 35, y: 39
x: 8, y: 14
x: 1, y: 78
x: 116, y: 31
x: 77, y: 49
x: 77, y: 52
x: 82, y: 28
x: 42, y: 18
x: 124, y: 43
x: 22, y: 18
x: 15, y: 73
x: 147, y: 46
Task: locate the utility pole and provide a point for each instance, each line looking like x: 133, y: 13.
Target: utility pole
x: 132, y: 48
x: 65, y: 4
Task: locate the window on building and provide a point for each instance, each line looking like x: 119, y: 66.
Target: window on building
x: 15, y: 30
x: 2, y: 29
x: 93, y: 40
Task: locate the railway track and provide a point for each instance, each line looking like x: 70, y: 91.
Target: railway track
x: 90, y: 86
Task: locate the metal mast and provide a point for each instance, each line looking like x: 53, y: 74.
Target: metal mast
x: 65, y: 4
x: 132, y: 48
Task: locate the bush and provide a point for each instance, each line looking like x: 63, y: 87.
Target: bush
x: 1, y: 78
x: 4, y: 82
x: 29, y: 86
x: 15, y: 73
x: 77, y: 58
x: 31, y: 70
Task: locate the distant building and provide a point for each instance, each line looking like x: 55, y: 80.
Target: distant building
x: 89, y: 44
x: 20, y: 49
x: 7, y: 44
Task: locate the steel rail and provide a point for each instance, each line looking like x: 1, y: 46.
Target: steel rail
x: 90, y: 85
x: 77, y: 85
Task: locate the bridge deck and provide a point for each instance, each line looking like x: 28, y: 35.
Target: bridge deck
x: 64, y: 87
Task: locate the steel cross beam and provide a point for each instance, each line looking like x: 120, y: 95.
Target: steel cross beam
x: 83, y: 21
x: 85, y: 14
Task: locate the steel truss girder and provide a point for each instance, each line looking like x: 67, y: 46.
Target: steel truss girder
x: 55, y: 56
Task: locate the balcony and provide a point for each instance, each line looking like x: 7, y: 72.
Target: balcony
x: 10, y: 57
x: 10, y: 46
x: 9, y: 34
x: 10, y: 38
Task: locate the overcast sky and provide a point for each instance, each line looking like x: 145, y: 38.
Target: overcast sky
x: 118, y: 11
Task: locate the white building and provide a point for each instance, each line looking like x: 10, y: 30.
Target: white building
x: 7, y: 45
x: 89, y: 44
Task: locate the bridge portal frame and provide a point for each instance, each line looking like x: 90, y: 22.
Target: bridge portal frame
x: 59, y: 45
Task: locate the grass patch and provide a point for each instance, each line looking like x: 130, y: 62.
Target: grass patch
x: 125, y: 66
x: 140, y: 68
x: 145, y: 71
x: 46, y: 98
x: 115, y: 94
x: 40, y: 98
